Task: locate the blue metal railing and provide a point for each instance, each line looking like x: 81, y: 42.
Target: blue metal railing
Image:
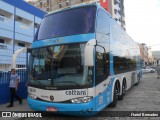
x: 5, y: 66
x: 4, y: 77
x: 4, y: 86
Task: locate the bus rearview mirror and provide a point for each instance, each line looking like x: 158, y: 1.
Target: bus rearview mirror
x: 88, y: 56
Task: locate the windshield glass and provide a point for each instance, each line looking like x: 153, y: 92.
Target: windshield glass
x: 69, y: 22
x: 61, y: 65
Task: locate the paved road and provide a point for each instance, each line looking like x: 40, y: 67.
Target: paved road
x: 144, y: 97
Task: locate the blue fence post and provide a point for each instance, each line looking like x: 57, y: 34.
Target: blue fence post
x: 4, y: 88
x: 27, y: 66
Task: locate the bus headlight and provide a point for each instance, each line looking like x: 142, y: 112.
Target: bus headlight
x: 81, y: 100
x: 32, y: 96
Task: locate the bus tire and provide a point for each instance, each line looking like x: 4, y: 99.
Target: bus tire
x: 114, y: 102
x: 120, y: 97
x: 138, y: 80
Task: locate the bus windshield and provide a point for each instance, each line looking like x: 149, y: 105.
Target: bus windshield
x: 69, y: 22
x: 59, y: 66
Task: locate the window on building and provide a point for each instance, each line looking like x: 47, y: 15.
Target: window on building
x: 119, y: 5
x: 116, y: 19
x: 21, y: 66
x: 1, y: 40
x: 48, y: 9
x: 21, y: 44
x: 115, y: 2
x: 59, y: 1
x: 60, y: 5
x: 36, y: 25
x: 119, y: 11
x: 67, y: 3
x: 1, y: 18
x: 115, y: 11
x: 40, y: 3
x: 3, y: 47
x: 18, y: 18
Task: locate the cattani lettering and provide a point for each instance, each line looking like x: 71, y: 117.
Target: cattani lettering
x: 76, y: 92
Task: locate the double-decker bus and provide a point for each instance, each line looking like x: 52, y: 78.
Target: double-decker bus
x: 81, y: 61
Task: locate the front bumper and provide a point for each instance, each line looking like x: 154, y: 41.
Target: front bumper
x: 79, y: 109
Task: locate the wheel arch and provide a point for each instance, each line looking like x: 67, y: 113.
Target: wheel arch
x: 116, y: 81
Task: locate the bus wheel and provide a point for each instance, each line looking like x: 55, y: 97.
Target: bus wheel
x: 138, y: 80
x: 114, y: 102
x: 123, y: 91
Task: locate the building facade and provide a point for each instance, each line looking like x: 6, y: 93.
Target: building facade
x: 150, y: 56
x: 18, y: 24
x: 114, y: 7
x: 156, y: 56
x: 117, y: 11
x: 144, y: 54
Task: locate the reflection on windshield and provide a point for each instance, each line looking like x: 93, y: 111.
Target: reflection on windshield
x: 61, y: 65
x: 69, y: 22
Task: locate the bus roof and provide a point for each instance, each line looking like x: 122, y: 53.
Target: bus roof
x: 71, y: 7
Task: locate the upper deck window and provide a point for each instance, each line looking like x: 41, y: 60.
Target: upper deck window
x: 70, y: 22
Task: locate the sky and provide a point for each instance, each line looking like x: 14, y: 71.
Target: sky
x: 142, y: 19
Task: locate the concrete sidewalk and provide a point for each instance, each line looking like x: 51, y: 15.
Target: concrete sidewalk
x: 17, y: 106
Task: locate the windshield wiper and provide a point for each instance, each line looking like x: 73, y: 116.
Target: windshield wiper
x: 70, y: 82
x: 37, y: 82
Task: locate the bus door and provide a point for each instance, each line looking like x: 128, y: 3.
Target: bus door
x: 100, y: 79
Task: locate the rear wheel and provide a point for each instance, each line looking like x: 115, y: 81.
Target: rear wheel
x: 123, y: 91
x: 114, y: 102
x: 138, y: 80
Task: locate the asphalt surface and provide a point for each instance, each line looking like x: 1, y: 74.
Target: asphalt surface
x: 141, y: 98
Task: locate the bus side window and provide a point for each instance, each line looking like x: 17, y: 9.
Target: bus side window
x: 107, y: 63
x: 100, y: 65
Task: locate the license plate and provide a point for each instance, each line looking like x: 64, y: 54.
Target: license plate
x: 51, y: 109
